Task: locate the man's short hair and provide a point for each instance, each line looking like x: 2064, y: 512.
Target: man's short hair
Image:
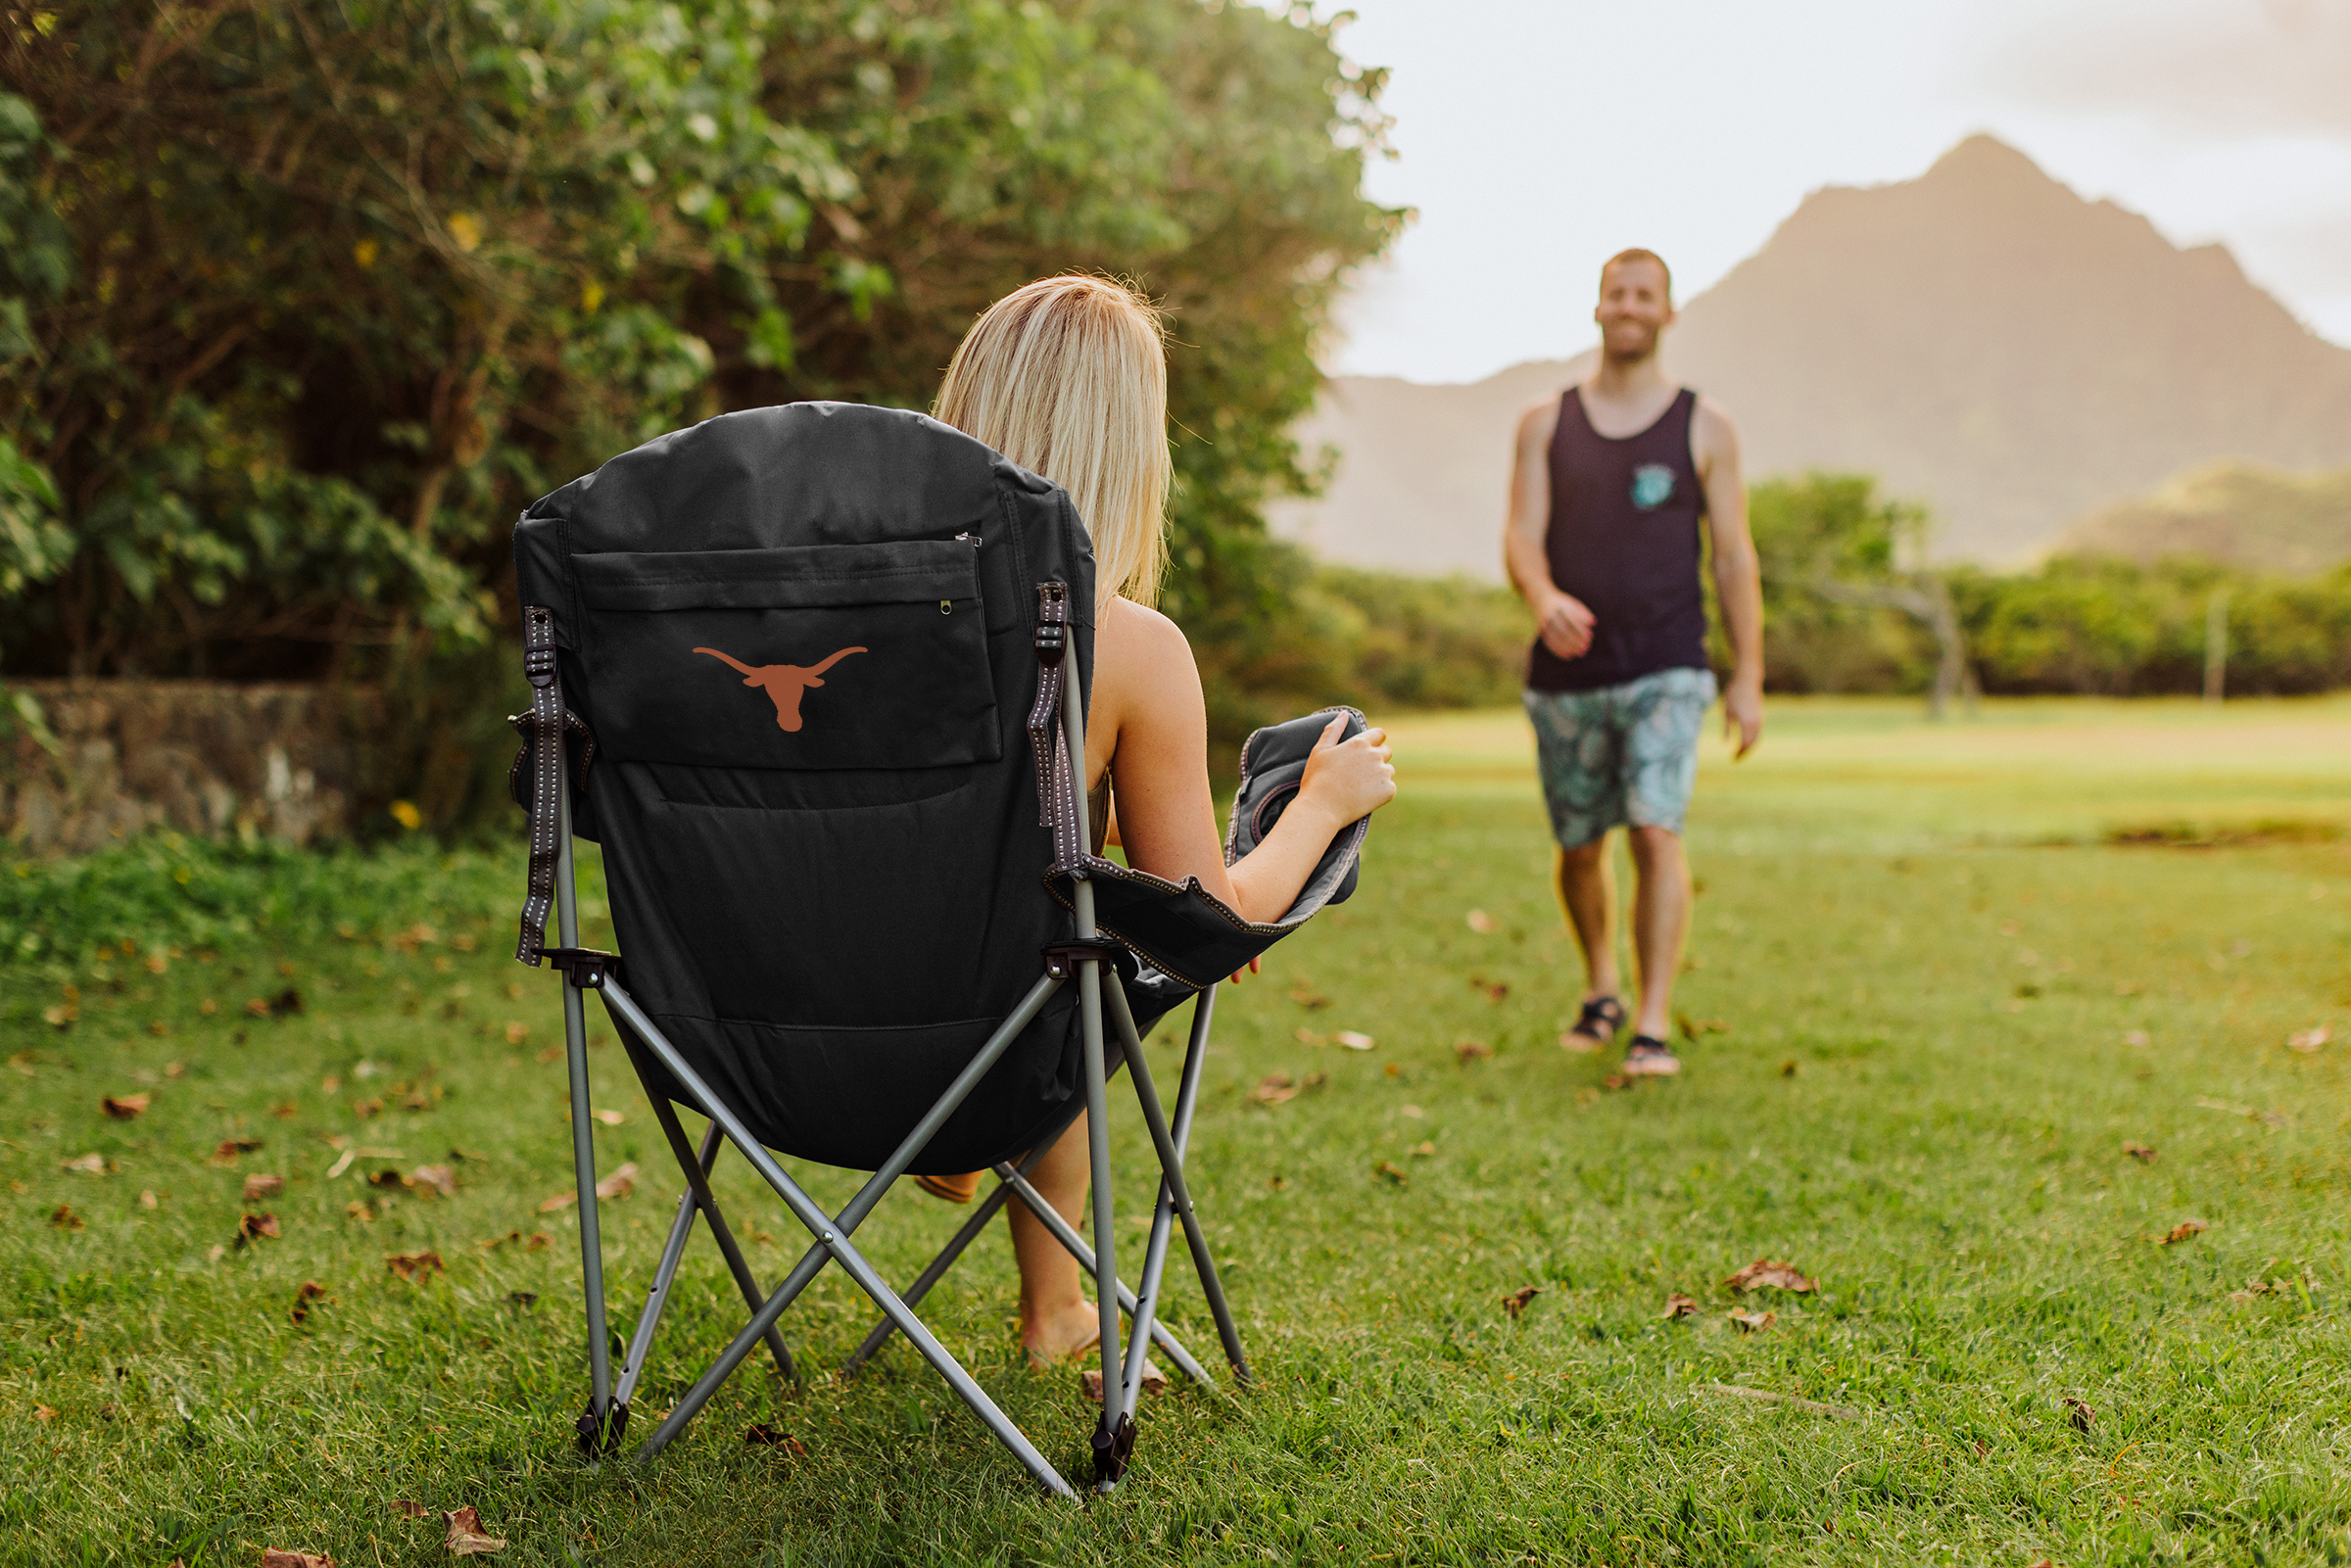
x: 1638, y: 255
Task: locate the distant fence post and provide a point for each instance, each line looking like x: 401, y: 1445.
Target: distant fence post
x: 2216, y: 646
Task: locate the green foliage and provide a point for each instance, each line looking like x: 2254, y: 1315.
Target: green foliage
x: 2111, y: 628
x: 161, y: 891
x: 1829, y: 544
x: 326, y: 292
x: 1823, y: 532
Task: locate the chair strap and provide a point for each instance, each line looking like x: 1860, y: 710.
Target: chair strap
x: 1048, y: 739
x: 546, y: 729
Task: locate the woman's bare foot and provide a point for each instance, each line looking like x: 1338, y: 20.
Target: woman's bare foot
x: 1054, y: 1336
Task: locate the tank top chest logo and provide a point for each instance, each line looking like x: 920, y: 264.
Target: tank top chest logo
x: 1652, y: 487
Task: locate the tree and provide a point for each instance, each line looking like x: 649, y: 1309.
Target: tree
x: 340, y: 285
x: 1831, y: 540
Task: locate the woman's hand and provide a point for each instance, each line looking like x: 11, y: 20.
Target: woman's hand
x: 1350, y: 779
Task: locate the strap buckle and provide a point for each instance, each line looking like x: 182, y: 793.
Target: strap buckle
x: 1052, y: 623
x: 583, y: 967
x: 539, y: 667
x: 1062, y: 958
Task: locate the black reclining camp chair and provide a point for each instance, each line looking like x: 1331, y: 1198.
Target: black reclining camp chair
x: 820, y: 672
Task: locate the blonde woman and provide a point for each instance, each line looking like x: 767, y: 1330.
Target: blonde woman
x: 1068, y: 377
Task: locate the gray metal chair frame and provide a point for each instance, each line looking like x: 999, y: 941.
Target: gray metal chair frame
x: 602, y: 1427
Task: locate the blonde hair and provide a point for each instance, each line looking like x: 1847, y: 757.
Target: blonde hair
x: 1068, y: 377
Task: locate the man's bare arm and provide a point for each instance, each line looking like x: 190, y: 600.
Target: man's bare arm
x: 1562, y: 621
x: 1738, y: 582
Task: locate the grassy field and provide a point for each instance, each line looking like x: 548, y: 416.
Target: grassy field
x: 1940, y: 977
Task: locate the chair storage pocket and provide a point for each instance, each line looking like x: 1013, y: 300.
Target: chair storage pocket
x: 813, y: 657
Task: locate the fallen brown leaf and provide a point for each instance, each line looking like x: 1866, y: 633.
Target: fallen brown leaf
x: 230, y: 1149
x: 552, y: 1053
x: 1678, y: 1306
x: 64, y: 1217
x: 258, y: 1006
x: 1306, y: 1036
x: 1615, y: 1080
x: 465, y: 1538
x: 2080, y: 1416
x: 92, y: 1164
x: 1787, y: 1069
x: 124, y: 1107
x: 147, y: 1200
x: 1353, y: 1040
x: 1754, y: 1322
x: 1482, y: 922
x: 1516, y: 1302
x: 760, y: 1435
x: 1495, y: 990
x: 277, y: 1557
x: 253, y: 1228
x: 517, y: 1031
x: 1090, y: 1380
x: 435, y: 1178
x: 1770, y: 1273
x: 1422, y: 1150
x: 1468, y: 1051
x: 259, y: 1186
x: 45, y: 1412
x: 1306, y: 996
x: 562, y: 1200
x: 360, y: 1209
x: 408, y: 1510
x: 286, y: 1110
x: 522, y: 1301
x: 1392, y: 1171
x: 2308, y: 1040
x: 60, y: 1016
x: 619, y: 1184
x: 2183, y: 1230
x: 310, y: 1291
x: 1275, y: 1088
x: 414, y: 1266
x: 2144, y: 1154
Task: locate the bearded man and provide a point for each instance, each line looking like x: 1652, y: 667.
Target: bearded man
x: 1612, y: 484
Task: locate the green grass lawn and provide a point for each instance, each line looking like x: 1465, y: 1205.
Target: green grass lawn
x: 1935, y: 990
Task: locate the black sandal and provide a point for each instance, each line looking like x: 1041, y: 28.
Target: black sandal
x: 1650, y: 1058
x: 1596, y: 1023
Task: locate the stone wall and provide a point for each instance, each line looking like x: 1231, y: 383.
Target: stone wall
x: 198, y: 756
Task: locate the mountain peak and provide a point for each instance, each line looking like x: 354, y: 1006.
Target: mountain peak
x: 1982, y: 156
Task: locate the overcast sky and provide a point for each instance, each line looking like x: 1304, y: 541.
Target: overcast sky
x: 1537, y: 137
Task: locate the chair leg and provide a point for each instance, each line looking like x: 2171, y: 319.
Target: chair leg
x: 1170, y: 1166
x: 698, y: 1169
x: 1075, y: 1245
x: 597, y: 1429
x: 1163, y: 1213
x: 832, y: 1233
x: 963, y: 1238
x: 1114, y: 1432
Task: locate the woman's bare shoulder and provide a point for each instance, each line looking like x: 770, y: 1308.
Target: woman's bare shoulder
x: 1132, y: 635
x: 1143, y: 664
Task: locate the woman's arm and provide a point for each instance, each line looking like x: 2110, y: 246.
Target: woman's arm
x: 1149, y: 720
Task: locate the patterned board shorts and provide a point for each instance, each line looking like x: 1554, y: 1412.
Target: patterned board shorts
x: 1621, y: 753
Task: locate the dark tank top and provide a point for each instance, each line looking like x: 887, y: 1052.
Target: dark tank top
x: 1623, y: 539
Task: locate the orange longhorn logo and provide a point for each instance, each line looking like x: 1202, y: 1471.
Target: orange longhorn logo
x: 784, y: 682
